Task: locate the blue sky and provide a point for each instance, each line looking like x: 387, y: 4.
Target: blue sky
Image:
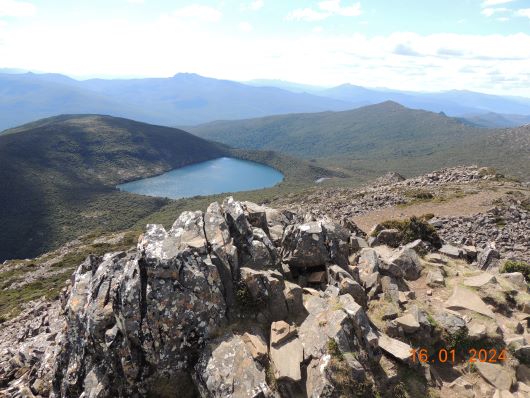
x: 424, y: 45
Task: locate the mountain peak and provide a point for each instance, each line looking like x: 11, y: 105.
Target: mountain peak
x: 390, y: 105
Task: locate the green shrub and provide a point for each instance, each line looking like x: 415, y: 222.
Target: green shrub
x: 419, y: 195
x: 517, y: 266
x: 334, y: 350
x: 414, y: 228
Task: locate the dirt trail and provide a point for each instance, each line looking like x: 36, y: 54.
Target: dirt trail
x: 466, y: 206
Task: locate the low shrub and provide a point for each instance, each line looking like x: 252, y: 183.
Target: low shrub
x: 414, y: 228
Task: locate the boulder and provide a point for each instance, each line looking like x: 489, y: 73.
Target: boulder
x: 305, y: 245
x: 435, y: 258
x: 418, y: 246
x: 256, y: 215
x: 294, y: 299
x: 395, y: 348
x: 318, y: 277
x: 495, y: 374
x: 390, y: 289
x: 368, y: 261
x: 286, y: 358
x: 223, y: 252
x: 256, y: 345
x: 480, y: 280
x: 187, y: 231
x: 408, y: 262
x: 357, y: 243
x: 453, y: 324
x: 470, y: 253
x: 281, y: 331
x: 523, y: 374
x: 408, y: 323
x: 517, y: 279
x: 267, y: 291
x: 487, y: 258
x: 344, y: 281
x: 435, y: 278
x: 450, y: 251
x: 227, y: 369
x: 337, y: 240
x: 463, y: 298
x: 240, y: 228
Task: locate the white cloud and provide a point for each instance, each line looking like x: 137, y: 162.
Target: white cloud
x: 307, y: 14
x: 136, y: 1
x: 245, y: 27
x: 256, y: 5
x: 334, y: 7
x: 165, y: 46
x: 492, y: 11
x: 524, y: 12
x: 488, y: 3
x: 200, y: 12
x: 13, y: 8
x: 325, y: 10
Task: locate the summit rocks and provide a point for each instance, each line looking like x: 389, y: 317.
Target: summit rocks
x: 243, y: 300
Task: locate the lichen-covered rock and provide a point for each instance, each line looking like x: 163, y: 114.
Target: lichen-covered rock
x: 316, y: 243
x: 226, y: 369
x: 305, y: 245
x: 133, y: 317
x: 267, y: 292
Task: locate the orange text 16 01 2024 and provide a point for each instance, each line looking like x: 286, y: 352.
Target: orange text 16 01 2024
x: 443, y: 355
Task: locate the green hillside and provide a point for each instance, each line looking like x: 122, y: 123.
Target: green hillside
x: 59, y: 176
x: 371, y: 140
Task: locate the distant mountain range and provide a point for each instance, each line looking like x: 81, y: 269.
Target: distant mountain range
x: 181, y: 100
x: 189, y: 99
x: 378, y: 138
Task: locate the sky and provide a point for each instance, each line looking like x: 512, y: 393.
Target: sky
x: 416, y: 45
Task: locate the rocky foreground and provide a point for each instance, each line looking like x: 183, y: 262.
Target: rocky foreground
x: 249, y: 301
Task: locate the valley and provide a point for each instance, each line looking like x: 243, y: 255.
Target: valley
x: 60, y: 175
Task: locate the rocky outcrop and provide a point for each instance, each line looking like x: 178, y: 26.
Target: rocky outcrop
x: 246, y: 301
x: 143, y: 322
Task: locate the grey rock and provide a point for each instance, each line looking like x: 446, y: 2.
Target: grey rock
x: 517, y: 279
x: 304, y: 245
x: 495, y: 375
x: 487, y: 258
x: 450, y: 251
x: 453, y: 324
x: 227, y: 369
x: 480, y: 280
x: 396, y: 348
x: 294, y: 299
x: 267, y: 291
x: 435, y: 278
x: 523, y: 353
x: 344, y: 281
x: 408, y: 262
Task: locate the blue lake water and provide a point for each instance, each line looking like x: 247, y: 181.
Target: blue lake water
x: 207, y: 178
